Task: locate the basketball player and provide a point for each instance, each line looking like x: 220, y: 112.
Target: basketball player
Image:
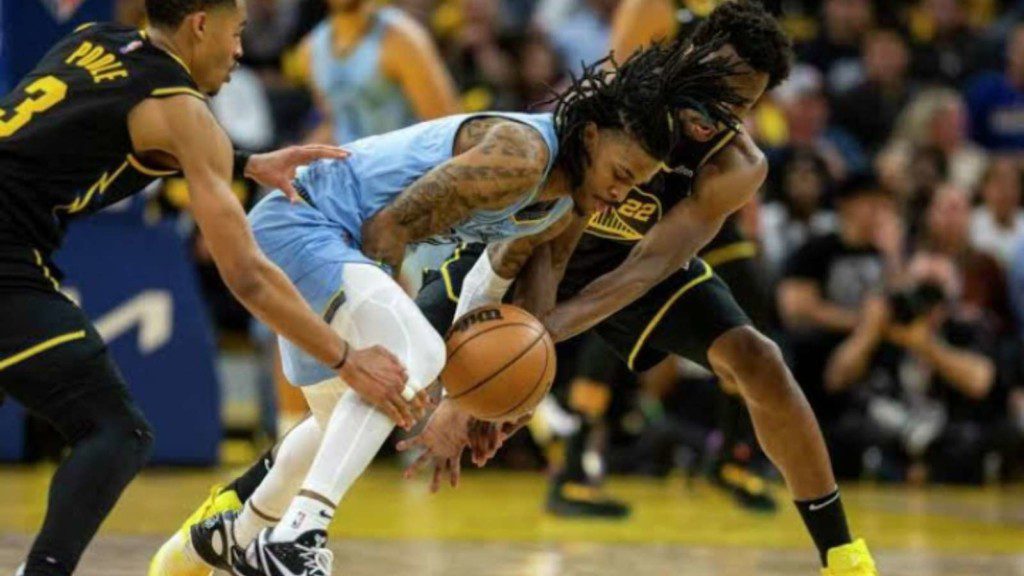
x: 483, y: 178
x: 372, y: 69
x: 105, y: 112
x: 591, y: 388
x: 634, y: 280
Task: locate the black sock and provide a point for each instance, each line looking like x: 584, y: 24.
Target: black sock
x: 575, y: 446
x: 246, y: 484
x: 826, y: 521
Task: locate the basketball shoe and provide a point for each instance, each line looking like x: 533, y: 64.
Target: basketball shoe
x: 304, y: 556
x: 852, y: 559
x: 173, y: 558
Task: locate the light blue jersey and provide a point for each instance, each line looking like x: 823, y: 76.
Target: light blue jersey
x: 363, y: 101
x: 312, y: 241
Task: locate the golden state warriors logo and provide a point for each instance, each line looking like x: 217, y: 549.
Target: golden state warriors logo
x: 62, y: 10
x: 629, y: 221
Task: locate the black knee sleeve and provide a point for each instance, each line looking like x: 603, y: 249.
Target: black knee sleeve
x: 112, y: 420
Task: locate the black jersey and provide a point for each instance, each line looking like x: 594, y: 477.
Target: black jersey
x: 65, y: 150
x: 611, y: 234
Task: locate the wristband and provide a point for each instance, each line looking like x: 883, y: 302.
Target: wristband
x: 241, y: 160
x: 344, y: 358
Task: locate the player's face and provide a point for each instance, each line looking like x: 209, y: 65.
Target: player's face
x: 748, y: 83
x: 219, y: 46
x: 617, y: 164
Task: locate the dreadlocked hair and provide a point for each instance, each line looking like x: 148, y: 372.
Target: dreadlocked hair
x: 627, y: 98
x: 694, y: 77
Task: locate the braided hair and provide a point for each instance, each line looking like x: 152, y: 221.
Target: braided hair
x: 640, y: 98
x: 695, y: 77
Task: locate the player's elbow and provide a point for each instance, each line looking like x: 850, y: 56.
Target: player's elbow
x: 243, y: 278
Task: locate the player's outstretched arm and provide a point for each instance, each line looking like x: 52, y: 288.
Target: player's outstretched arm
x: 184, y: 129
x: 496, y: 169
x: 720, y: 189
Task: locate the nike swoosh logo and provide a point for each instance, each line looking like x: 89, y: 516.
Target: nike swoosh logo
x: 326, y: 516
x: 816, y: 507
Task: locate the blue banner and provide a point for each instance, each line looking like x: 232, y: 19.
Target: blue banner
x: 28, y: 28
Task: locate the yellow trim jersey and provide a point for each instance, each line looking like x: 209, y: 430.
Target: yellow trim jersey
x: 611, y: 234
x: 65, y: 150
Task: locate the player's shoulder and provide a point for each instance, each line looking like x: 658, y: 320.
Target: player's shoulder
x: 520, y: 139
x: 403, y: 32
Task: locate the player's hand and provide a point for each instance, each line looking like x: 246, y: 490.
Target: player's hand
x: 379, y: 379
x: 443, y: 441
x: 277, y: 169
x: 486, y: 438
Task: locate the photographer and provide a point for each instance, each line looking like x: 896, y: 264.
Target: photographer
x: 925, y: 377
x: 826, y: 282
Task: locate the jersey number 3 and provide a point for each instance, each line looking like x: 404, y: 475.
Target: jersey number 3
x: 43, y: 94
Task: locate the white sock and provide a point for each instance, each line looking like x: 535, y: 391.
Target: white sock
x: 353, y: 437
x: 271, y: 498
x: 303, y: 515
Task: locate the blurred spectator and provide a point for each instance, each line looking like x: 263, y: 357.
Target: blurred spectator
x: 584, y: 35
x: 480, y: 59
x: 996, y: 101
x: 803, y: 185
x: 935, y: 121
x: 807, y: 110
x: 540, y: 71
x: 243, y: 110
x: 372, y: 70
x: 997, y: 225
x: 947, y: 231
x: 930, y: 400
x: 826, y: 282
x: 869, y: 109
x: 946, y: 51
x: 130, y: 12
x: 1016, y: 286
x: 836, y: 49
x: 268, y: 34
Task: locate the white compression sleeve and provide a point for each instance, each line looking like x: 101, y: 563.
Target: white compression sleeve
x: 482, y: 286
x: 377, y: 312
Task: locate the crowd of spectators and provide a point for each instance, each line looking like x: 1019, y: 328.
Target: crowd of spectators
x: 890, y: 227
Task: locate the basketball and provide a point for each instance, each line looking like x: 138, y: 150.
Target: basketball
x: 501, y: 362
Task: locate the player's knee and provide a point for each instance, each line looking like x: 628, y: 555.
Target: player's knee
x: 131, y: 433
x: 109, y: 422
x: 755, y: 363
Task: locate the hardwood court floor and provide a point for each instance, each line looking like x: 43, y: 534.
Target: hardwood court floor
x: 494, y: 525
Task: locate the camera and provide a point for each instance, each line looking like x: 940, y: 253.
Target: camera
x: 911, y: 303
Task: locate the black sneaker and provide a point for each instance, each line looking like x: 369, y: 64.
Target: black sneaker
x: 304, y: 556
x: 214, y: 541
x: 749, y: 490
x: 572, y: 500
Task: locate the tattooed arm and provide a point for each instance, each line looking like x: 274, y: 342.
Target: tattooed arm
x: 496, y: 162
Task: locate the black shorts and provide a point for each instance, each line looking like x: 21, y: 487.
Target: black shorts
x: 50, y: 354
x: 683, y: 315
